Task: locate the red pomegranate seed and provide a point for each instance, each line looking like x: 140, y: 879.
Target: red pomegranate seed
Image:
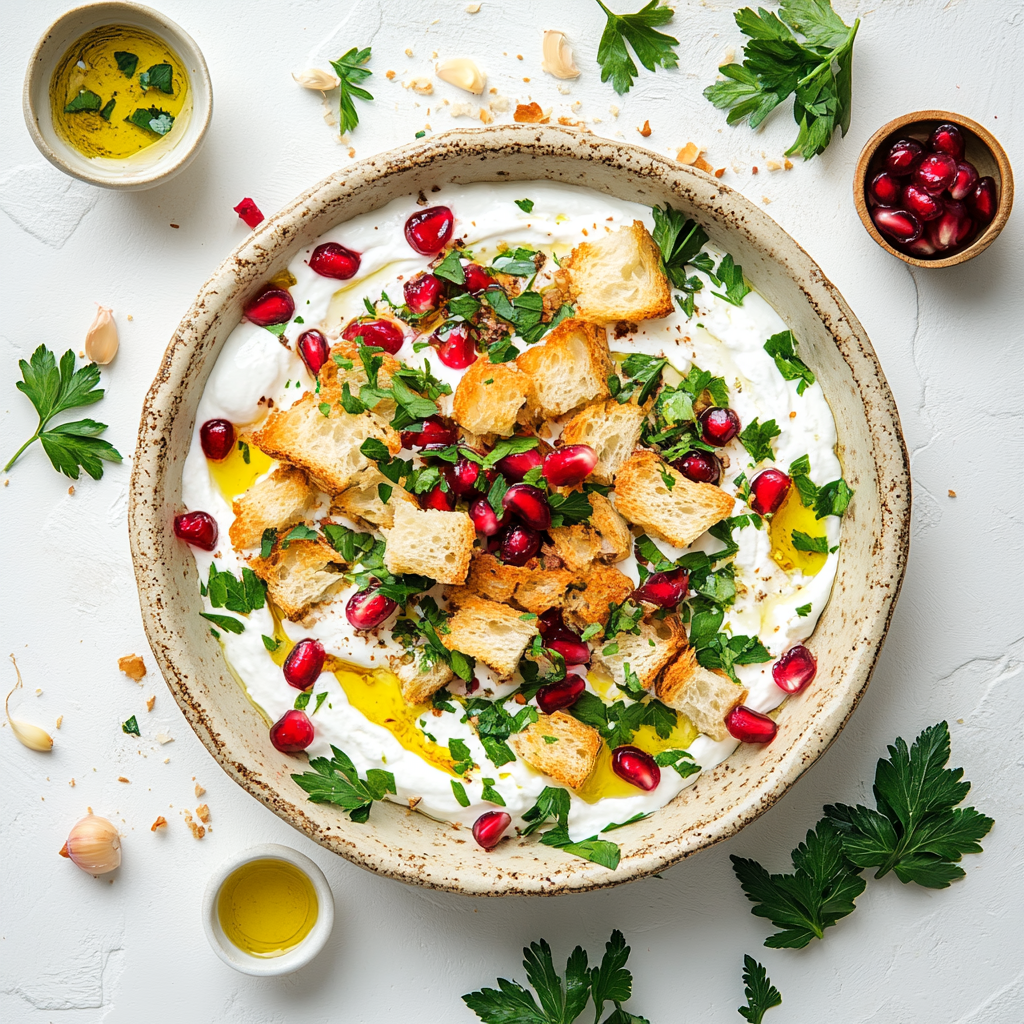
x: 935, y: 173
x: 314, y: 350
x: 433, y: 432
x: 563, y: 694
x: 197, y: 528
x: 965, y: 182
x: 885, y: 188
x: 573, y: 652
x: 272, y: 306
x: 750, y: 726
x: 898, y: 224
x: 518, y: 545
x: 490, y: 827
x: 477, y: 278
x: 304, y: 663
x: 982, y: 202
x: 922, y: 248
x: 768, y: 491
x: 951, y: 228
x: 437, y: 498
x: 217, y: 438
x: 485, y: 519
x: 248, y: 211
x: 333, y: 260
x: 457, y: 350
x: 515, y: 467
x: 385, y: 334
x: 699, y: 466
x: 637, y: 767
x: 569, y: 465
x: 923, y: 205
x: 530, y: 504
x: 468, y: 478
x: 423, y: 293
x: 368, y: 609
x: 947, y: 139
x: 903, y: 157
x: 665, y: 589
x: 552, y: 625
x: 292, y: 732
x: 429, y: 230
x: 795, y: 669
x: 473, y: 685
x: 718, y: 425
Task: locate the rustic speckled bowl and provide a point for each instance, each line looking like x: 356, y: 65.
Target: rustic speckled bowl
x: 414, y: 848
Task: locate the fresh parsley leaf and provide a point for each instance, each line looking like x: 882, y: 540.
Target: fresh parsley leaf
x: 52, y: 390
x: 730, y: 277
x: 497, y: 492
x: 126, y: 62
x: 335, y: 780
x: 460, y: 793
x: 300, y: 532
x: 226, y: 622
x: 85, y: 100
x: 464, y: 305
x: 652, y: 48
x: 525, y: 312
x: 761, y: 994
x: 518, y: 262
x: 725, y: 652
x: 157, y: 77
x: 804, y: 542
x: 349, y: 69
x: 526, y: 205
x: 757, y: 438
x: 350, y: 544
x: 918, y: 830
x: 832, y: 499
x: 569, y: 509
x: 270, y: 643
x: 302, y: 700
x: 131, y: 727
x: 462, y: 759
x: 236, y: 595
x: 375, y: 449
x: 680, y: 241
x: 490, y: 794
x: 803, y: 611
x: 502, y: 350
x: 450, y: 268
x: 644, y: 373
x: 782, y: 348
x: 154, y: 120
x: 680, y: 760
x: 108, y: 109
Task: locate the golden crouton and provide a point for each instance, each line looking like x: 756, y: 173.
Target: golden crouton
x: 645, y: 653
x: 419, y: 684
x: 361, y: 500
x: 560, y: 746
x: 492, y: 633
x: 705, y: 697
x: 611, y: 429
x: 490, y: 396
x: 429, y: 542
x: 300, y: 575
x: 577, y: 546
x: 531, y: 586
x: 590, y: 598
x: 283, y: 499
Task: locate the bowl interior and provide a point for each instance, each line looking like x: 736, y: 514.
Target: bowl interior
x: 849, y: 635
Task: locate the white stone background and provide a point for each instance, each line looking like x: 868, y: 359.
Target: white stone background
x: 77, y: 950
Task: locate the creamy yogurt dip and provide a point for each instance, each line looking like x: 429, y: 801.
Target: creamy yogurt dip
x: 780, y: 592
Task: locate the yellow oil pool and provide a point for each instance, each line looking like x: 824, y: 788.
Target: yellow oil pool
x: 794, y: 516
x: 233, y: 475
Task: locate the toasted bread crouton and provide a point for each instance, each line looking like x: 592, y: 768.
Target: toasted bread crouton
x: 616, y: 540
x: 645, y: 653
x: 606, y: 538
x: 300, y: 575
x: 560, y: 746
x: 590, y: 599
x: 283, y: 499
x: 419, y: 684
x: 488, y: 577
x: 612, y: 430
x: 492, y: 633
x: 540, y: 589
x: 619, y: 277
x: 570, y: 368
x: 489, y: 397
x: 345, y: 367
x: 679, y: 513
x: 532, y: 586
x: 361, y: 500
x: 429, y: 542
x: 577, y: 546
x: 705, y: 697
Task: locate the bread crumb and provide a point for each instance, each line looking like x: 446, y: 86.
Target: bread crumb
x: 197, y: 830
x: 130, y: 317
x: 792, y: 414
x: 530, y: 113
x: 719, y: 172
x: 60, y: 720
x: 786, y: 165
x: 71, y: 489
x: 199, y: 790
x: 645, y: 132
x: 203, y: 813
x: 121, y: 778
x: 613, y: 110
x: 162, y: 737
x: 689, y: 153
x: 413, y: 801
x: 421, y: 84
x: 773, y: 165
x: 389, y: 75
x: 408, y: 51
x: 150, y: 701
x: 765, y: 200
x: 160, y: 822
x: 472, y: 8
x: 132, y: 666
x: 72, y: 783
x: 952, y: 494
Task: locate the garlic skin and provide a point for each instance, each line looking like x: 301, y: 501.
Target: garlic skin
x: 316, y: 78
x: 101, y: 339
x: 25, y: 733
x: 94, y: 845
x: 557, y: 55
x: 463, y: 74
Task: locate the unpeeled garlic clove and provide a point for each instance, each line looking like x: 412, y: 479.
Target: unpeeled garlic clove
x: 316, y: 78
x: 557, y: 55
x: 94, y: 845
x: 25, y: 733
x: 101, y: 338
x: 462, y: 73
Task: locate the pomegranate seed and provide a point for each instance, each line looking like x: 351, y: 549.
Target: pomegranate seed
x: 750, y: 726
x: 965, y: 182
x: 947, y: 139
x: 304, y: 664
x: 519, y: 544
x: 248, y: 211
x: 563, y: 694
x: 429, y: 230
x: 385, y: 334
x: 433, y: 432
x: 515, y: 467
x: 457, y: 350
x: 473, y: 685
x: 573, y: 652
x: 272, y: 306
x: 437, y: 498
x: 922, y: 248
x: 923, y: 205
x: 898, y: 224
x: 718, y: 425
x: 314, y: 350
x: 936, y: 172
x: 637, y: 767
x: 477, y: 278
x: 700, y: 466
x: 795, y: 669
x: 982, y: 202
x: 490, y: 827
x: 903, y: 157
x: 217, y: 438
x: 333, y: 260
x: 665, y: 589
x: 368, y: 609
x: 292, y: 732
x: 197, y: 528
x: 552, y: 625
x: 951, y: 228
x: 569, y: 465
x: 885, y: 188
x: 530, y: 504
x: 768, y: 491
x: 485, y: 519
x: 423, y: 293
x: 467, y: 477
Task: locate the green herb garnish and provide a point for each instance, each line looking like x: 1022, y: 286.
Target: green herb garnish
x: 653, y: 49
x: 350, y: 71
x: 85, y: 100
x: 526, y: 205
x: 460, y: 793
x: 131, y: 727
x: 157, y: 77
x: 335, y: 780
x: 782, y: 348
x: 761, y: 994
x: 126, y: 62
x: 107, y: 110
x: 226, y: 622
x: 730, y: 277
x: 236, y: 595
x: 804, y: 542
x: 153, y: 120
x: 757, y: 438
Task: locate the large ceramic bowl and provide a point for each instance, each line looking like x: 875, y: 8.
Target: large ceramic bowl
x: 414, y: 848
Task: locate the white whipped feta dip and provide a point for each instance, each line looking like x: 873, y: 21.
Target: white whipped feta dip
x: 727, y: 340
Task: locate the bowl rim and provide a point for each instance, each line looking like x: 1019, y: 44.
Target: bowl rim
x: 905, y: 121
x: 201, y: 112
x: 149, y: 523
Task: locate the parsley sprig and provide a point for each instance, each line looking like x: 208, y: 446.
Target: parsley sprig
x: 350, y: 70
x: 652, y: 48
x: 782, y: 348
x: 761, y: 994
x: 53, y: 389
x: 335, y: 780
x: 681, y: 243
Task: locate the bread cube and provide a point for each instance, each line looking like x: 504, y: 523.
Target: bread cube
x: 489, y: 397
x: 429, y: 542
x: 419, y: 683
x: 361, y: 500
x: 590, y: 598
x: 560, y: 746
x: 705, y: 697
x: 645, y: 653
x: 492, y: 633
x: 282, y: 499
x: 612, y: 430
x: 300, y: 575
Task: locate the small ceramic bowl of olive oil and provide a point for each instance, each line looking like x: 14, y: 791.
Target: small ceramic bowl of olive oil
x: 117, y: 95
x: 268, y: 910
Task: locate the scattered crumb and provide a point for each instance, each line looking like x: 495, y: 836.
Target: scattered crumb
x: 787, y: 165
x: 160, y: 822
x: 645, y: 132
x: 72, y: 783
x: 792, y: 415
x: 952, y: 494
x: 175, y: 225
x: 472, y: 8
x: 71, y: 489
x: 719, y: 172
x: 60, y: 720
x: 389, y: 75
x: 408, y: 51
x: 568, y: 122
x: 121, y: 778
x: 81, y: 355
x: 203, y: 813
x: 753, y: 170
x: 765, y: 200
x: 613, y: 110
x: 519, y: 698
x: 197, y: 830
x: 413, y: 801
x: 773, y: 165
x: 485, y: 116
x: 689, y: 153
x: 199, y: 790
x: 729, y: 56
x: 132, y: 666
x: 130, y: 317
x: 162, y: 737
x: 530, y: 113
x: 167, y: 760
x: 499, y: 104
x: 421, y: 84
x: 351, y: 153
x: 564, y: 89
x: 519, y: 56
x: 150, y: 701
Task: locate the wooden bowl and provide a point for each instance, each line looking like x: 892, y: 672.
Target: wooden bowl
x: 981, y: 148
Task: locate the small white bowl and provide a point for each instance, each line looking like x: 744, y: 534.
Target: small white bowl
x: 154, y: 164
x: 294, y: 959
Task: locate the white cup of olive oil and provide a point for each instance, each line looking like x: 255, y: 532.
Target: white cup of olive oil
x: 268, y: 910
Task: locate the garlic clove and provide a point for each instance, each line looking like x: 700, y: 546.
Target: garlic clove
x: 94, y: 845
x: 316, y: 78
x: 25, y: 733
x: 101, y: 338
x: 557, y: 55
x: 462, y: 73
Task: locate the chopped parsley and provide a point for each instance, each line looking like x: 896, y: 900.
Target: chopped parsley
x: 782, y: 348
x: 757, y: 438
x: 154, y: 120
x: 126, y: 62
x: 335, y: 780
x: 236, y: 595
x: 157, y: 77
x: 131, y: 727
x: 553, y: 803
x: 460, y: 793
x: 804, y: 542
x: 526, y: 205
x: 85, y: 100
x: 351, y: 71
x: 652, y: 48
x: 730, y: 277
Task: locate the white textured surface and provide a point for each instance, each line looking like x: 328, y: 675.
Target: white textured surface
x: 77, y: 950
